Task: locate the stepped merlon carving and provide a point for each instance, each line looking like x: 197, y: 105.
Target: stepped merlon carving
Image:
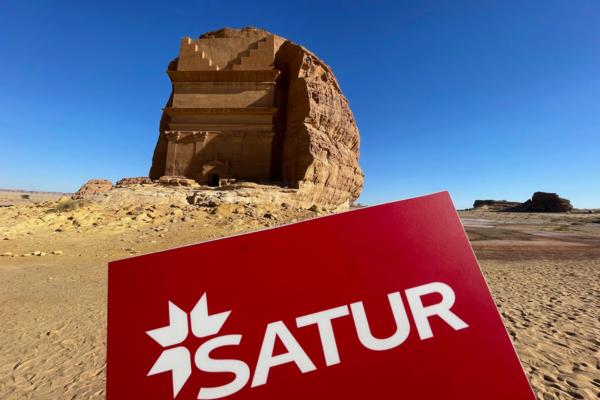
x: 192, y: 58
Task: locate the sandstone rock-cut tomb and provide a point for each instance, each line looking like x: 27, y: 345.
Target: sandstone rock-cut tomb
x: 247, y: 105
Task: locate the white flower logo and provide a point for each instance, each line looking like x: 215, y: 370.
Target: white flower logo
x: 178, y: 359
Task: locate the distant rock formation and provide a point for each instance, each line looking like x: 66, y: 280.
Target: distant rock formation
x: 251, y: 106
x: 539, y: 202
x: 494, y: 205
x: 544, y: 202
x: 93, y: 187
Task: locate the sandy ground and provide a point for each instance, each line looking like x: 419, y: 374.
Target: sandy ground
x: 20, y: 197
x: 544, y: 271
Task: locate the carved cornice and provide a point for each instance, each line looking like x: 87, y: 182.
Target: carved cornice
x: 203, y: 111
x: 224, y: 76
x: 182, y: 136
x: 224, y: 85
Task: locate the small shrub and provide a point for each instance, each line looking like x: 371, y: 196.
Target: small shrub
x: 70, y: 205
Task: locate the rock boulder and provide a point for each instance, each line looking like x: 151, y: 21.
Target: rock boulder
x: 544, y: 202
x: 550, y: 202
x: 539, y: 202
x: 93, y: 187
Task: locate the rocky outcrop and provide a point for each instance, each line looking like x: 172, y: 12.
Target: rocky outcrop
x: 550, y: 202
x: 138, y: 180
x: 249, y: 193
x: 494, y: 205
x: 544, y: 202
x: 93, y: 187
x: 250, y: 106
x: 176, y: 181
x: 539, y: 202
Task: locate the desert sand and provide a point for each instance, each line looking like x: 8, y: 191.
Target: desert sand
x: 543, y: 270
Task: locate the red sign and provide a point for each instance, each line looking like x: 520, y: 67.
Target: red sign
x: 385, y: 302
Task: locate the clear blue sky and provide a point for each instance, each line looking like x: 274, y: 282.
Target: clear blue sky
x: 486, y: 99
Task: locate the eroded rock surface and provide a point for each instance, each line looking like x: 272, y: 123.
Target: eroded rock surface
x: 495, y: 205
x: 550, y: 202
x: 539, y: 202
x: 93, y: 187
x: 250, y: 106
x: 544, y: 202
x: 138, y: 180
x: 321, y: 143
